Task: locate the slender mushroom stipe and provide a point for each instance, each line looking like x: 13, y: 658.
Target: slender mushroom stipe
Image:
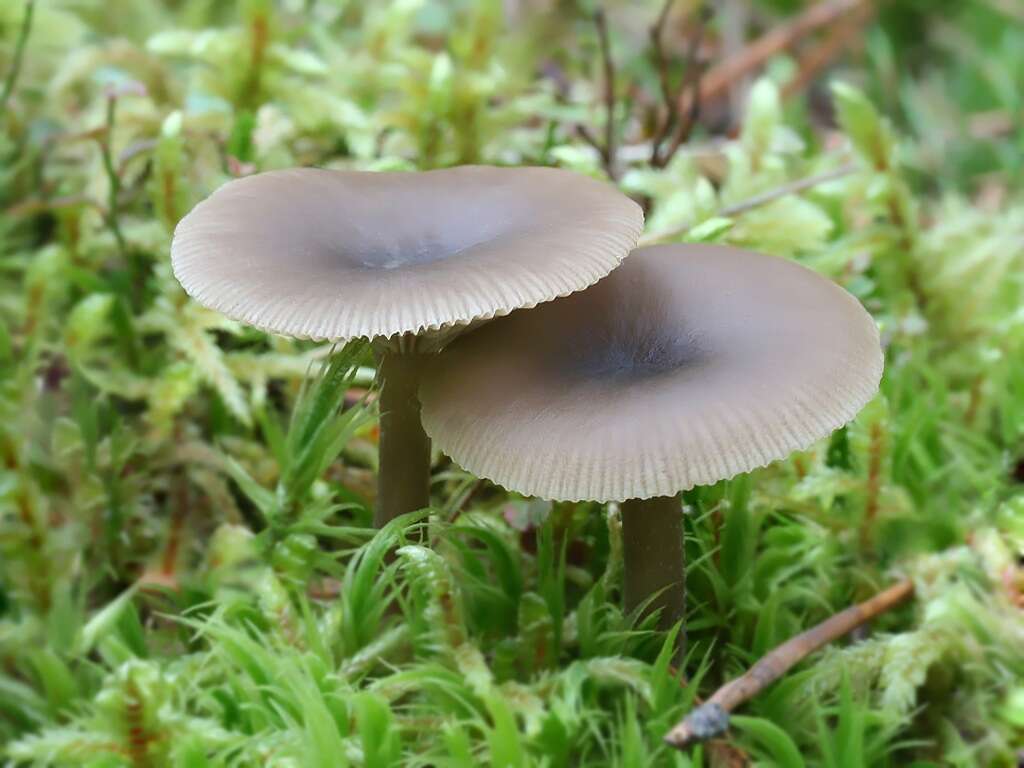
x: 654, y: 558
x: 407, y: 260
x: 687, y: 365
x: 404, y: 446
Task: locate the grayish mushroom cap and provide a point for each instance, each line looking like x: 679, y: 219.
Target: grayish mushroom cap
x: 688, y: 364
x: 344, y: 254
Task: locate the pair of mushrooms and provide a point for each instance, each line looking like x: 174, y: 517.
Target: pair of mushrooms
x: 588, y: 381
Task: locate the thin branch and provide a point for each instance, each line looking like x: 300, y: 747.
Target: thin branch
x: 737, y: 16
x: 792, y: 188
x: 606, y: 148
x: 668, y: 96
x: 609, y: 87
x: 691, y: 84
x: 838, y: 38
x: 584, y: 133
x: 712, y: 717
x: 19, y: 53
x: 720, y: 78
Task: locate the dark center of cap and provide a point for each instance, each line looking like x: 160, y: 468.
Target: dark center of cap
x: 636, y: 336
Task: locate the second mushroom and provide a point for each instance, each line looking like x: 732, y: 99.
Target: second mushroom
x: 685, y: 366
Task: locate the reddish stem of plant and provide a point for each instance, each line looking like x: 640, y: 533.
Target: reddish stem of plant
x: 874, y: 483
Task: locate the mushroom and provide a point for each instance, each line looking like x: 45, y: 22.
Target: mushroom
x: 687, y: 365
x: 403, y: 259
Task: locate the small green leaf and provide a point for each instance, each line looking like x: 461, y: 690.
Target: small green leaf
x: 777, y: 742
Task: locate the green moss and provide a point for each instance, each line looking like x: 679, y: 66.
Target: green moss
x: 187, y: 572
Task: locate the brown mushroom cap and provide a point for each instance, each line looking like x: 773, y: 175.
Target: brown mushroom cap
x: 344, y: 254
x: 685, y: 366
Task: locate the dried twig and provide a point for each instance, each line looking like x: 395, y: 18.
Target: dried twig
x: 679, y: 130
x: 720, y: 78
x: 712, y: 717
x: 792, y: 188
x: 668, y: 94
x: 605, y: 149
x: 608, y: 65
x: 656, y: 34
x: 19, y: 53
x: 838, y: 38
x: 735, y: 19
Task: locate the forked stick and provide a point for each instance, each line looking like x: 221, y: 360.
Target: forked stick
x: 711, y: 718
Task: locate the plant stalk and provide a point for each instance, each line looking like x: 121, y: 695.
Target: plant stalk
x: 19, y: 54
x: 653, y: 558
x: 403, y: 482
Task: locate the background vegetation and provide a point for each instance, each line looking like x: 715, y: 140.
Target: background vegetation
x: 187, y: 576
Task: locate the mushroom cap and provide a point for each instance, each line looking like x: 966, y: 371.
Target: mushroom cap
x: 687, y: 365
x: 325, y: 254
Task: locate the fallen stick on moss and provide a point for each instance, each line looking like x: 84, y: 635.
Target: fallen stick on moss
x: 711, y: 718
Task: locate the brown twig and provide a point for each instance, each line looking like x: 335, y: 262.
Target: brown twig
x: 712, y: 717
x: 608, y: 66
x: 838, y: 38
x: 605, y: 149
x: 656, y: 34
x: 717, y: 80
x: 668, y: 95
x: 679, y: 130
x: 792, y: 188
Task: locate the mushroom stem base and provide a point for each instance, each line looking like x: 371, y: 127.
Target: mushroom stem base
x: 654, y: 559
x: 403, y: 481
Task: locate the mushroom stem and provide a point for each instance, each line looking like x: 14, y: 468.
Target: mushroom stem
x: 653, y: 557
x: 403, y: 483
